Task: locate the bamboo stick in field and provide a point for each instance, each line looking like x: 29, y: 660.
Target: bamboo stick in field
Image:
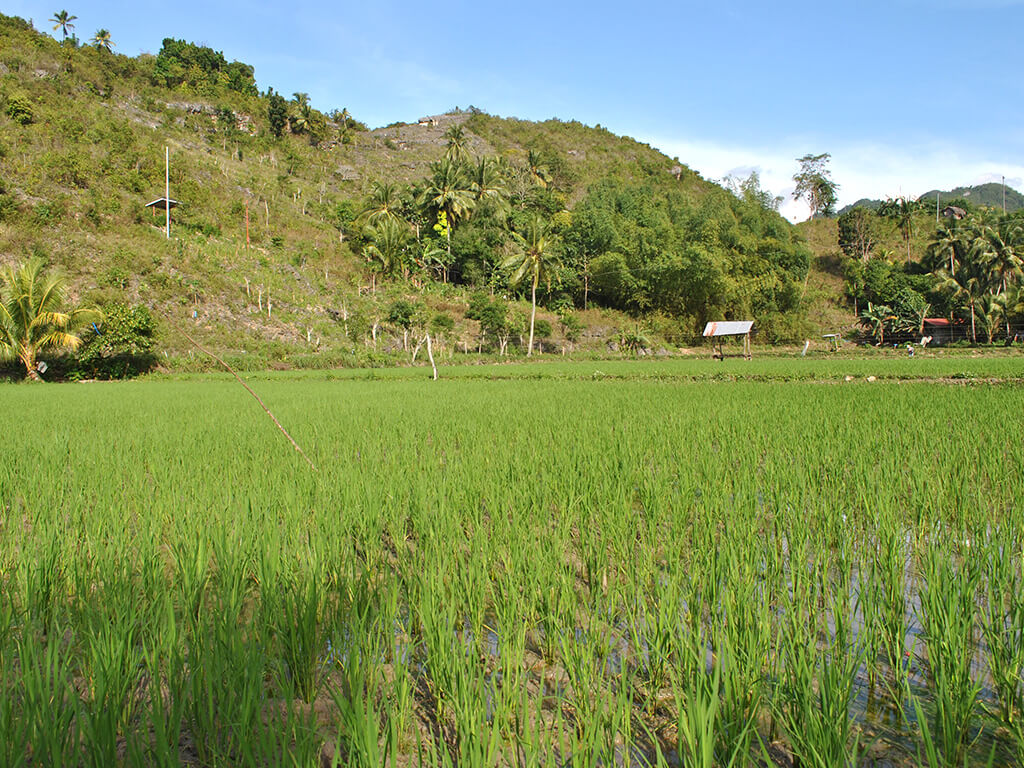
x: 249, y: 390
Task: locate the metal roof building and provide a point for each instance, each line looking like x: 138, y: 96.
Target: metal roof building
x: 722, y: 328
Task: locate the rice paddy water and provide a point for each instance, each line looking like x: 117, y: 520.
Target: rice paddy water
x: 555, y: 567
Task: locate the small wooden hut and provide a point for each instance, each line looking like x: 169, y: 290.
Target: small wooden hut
x: 718, y: 331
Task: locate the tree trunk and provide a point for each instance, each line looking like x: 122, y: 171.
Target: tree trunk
x: 533, y: 314
x: 430, y: 354
x: 28, y: 357
x: 974, y: 335
x: 586, y: 281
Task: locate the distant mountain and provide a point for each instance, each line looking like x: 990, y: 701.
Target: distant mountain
x: 990, y: 195
x: 983, y: 194
x: 871, y: 205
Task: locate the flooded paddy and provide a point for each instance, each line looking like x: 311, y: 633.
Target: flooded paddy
x: 576, y: 569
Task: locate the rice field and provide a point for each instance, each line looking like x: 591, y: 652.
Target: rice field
x: 539, y: 567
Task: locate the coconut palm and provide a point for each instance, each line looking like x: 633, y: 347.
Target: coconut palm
x: 1003, y: 255
x: 486, y: 181
x: 901, y: 210
x: 62, y: 21
x: 458, y: 144
x: 948, y: 247
x: 990, y: 310
x: 390, y: 239
x: 33, y: 318
x: 384, y: 202
x: 447, y: 189
x: 532, y: 260
x: 539, y: 172
x: 102, y: 39
x: 966, y: 288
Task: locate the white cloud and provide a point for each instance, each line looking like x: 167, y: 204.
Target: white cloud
x: 861, y: 170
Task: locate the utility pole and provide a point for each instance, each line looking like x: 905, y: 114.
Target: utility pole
x: 1004, y: 195
x: 167, y: 188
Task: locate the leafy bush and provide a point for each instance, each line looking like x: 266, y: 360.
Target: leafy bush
x: 119, y: 347
x: 19, y: 109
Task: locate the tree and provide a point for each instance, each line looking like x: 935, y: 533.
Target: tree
x: 390, y: 238
x: 966, y: 289
x: 33, y: 318
x: 458, y: 144
x: 948, y: 247
x: 877, y: 317
x: 62, y: 21
x: 814, y: 184
x: 122, y: 345
x: 856, y: 232
x: 539, y: 173
x: 486, y: 183
x: 277, y: 112
x: 533, y: 260
x: 402, y: 314
x: 384, y: 202
x: 901, y: 210
x: 447, y: 189
x: 102, y: 39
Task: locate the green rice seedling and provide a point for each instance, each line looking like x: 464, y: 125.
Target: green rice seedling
x: 191, y: 575
x: 948, y: 596
x: 49, y: 704
x: 697, y: 696
x: 227, y: 701
x: 165, y: 668
x: 44, y: 584
x: 816, y: 698
x: 13, y: 724
x: 293, y: 613
x: 1002, y: 624
x: 929, y: 754
x: 112, y: 676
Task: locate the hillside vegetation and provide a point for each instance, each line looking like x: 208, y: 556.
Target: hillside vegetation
x: 279, y: 250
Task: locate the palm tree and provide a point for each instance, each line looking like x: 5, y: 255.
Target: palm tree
x: 62, y: 21
x: 1003, y: 255
x: 538, y: 171
x: 32, y: 317
x: 533, y: 259
x: 102, y: 39
x: 902, y: 211
x: 948, y: 247
x: 384, y: 202
x: 390, y: 238
x: 486, y: 181
x: 447, y: 190
x: 966, y: 288
x: 458, y: 144
x: 991, y: 309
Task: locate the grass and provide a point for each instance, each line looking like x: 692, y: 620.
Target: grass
x: 516, y: 565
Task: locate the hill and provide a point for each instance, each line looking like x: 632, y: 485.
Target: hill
x: 990, y: 195
x: 270, y: 259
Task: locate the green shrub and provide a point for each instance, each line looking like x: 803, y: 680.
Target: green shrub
x: 119, y: 347
x: 19, y: 109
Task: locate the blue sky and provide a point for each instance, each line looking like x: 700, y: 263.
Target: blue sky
x: 906, y: 95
